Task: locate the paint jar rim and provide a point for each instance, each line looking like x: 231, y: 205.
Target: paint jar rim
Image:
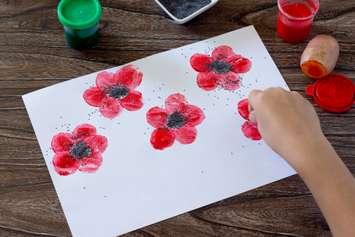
x: 293, y: 18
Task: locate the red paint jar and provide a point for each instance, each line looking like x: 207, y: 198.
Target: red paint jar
x: 295, y: 19
x: 334, y: 93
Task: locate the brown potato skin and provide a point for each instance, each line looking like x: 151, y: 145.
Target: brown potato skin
x: 323, y: 49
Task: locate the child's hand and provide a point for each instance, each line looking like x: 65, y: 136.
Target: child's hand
x: 287, y: 123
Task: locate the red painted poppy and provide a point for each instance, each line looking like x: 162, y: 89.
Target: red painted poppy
x: 79, y: 150
x: 114, y: 91
x: 222, y: 68
x: 249, y: 129
x: 177, y: 121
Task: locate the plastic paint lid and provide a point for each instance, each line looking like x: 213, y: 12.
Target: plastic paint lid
x: 79, y: 14
x: 334, y: 93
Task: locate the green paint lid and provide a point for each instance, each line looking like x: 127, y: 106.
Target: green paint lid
x: 79, y: 14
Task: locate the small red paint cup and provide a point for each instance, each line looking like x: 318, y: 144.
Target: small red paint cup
x: 295, y: 19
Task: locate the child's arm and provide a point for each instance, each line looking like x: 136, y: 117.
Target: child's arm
x: 290, y: 126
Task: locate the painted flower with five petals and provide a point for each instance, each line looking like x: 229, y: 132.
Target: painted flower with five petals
x: 177, y: 121
x: 80, y: 150
x: 115, y: 91
x: 222, y: 68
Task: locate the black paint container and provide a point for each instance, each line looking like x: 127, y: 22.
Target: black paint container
x: 182, y: 11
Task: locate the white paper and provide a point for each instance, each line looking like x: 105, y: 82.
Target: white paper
x: 137, y: 185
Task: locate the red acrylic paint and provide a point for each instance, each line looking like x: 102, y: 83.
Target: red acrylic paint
x: 249, y: 128
x: 80, y: 150
x: 114, y: 92
x: 220, y: 69
x: 334, y: 93
x: 177, y: 121
x: 295, y: 19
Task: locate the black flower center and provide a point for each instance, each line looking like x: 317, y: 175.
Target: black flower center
x: 176, y: 120
x: 220, y: 67
x: 118, y: 92
x: 80, y: 150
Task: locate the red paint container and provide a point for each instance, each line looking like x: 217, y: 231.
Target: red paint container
x: 334, y: 93
x: 295, y: 19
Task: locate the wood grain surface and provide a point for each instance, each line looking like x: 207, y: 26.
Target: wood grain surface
x: 33, y: 55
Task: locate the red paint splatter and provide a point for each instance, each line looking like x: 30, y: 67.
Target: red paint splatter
x: 177, y: 121
x: 222, y: 68
x: 115, y: 91
x: 80, y: 150
x: 249, y: 129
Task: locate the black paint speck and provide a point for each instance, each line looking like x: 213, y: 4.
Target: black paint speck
x: 220, y: 67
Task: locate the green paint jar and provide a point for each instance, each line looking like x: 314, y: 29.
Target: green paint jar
x: 80, y: 19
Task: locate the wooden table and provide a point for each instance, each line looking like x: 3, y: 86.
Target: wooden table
x: 33, y: 55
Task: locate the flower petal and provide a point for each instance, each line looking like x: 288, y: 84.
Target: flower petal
x: 201, y: 62
x: 193, y: 114
x: 64, y: 164
x: 207, y: 81
x: 241, y: 65
x: 175, y: 102
x: 83, y: 131
x: 90, y: 164
x: 128, y: 76
x: 104, y: 80
x: 251, y: 131
x: 222, y: 52
x: 110, y: 107
x: 94, y: 96
x: 62, y: 142
x: 243, y: 108
x: 162, y: 138
x: 229, y: 81
x: 133, y: 101
x: 97, y: 143
x: 157, y: 117
x: 186, y: 135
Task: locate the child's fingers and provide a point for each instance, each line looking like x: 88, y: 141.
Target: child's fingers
x: 253, y: 99
x: 252, y: 116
